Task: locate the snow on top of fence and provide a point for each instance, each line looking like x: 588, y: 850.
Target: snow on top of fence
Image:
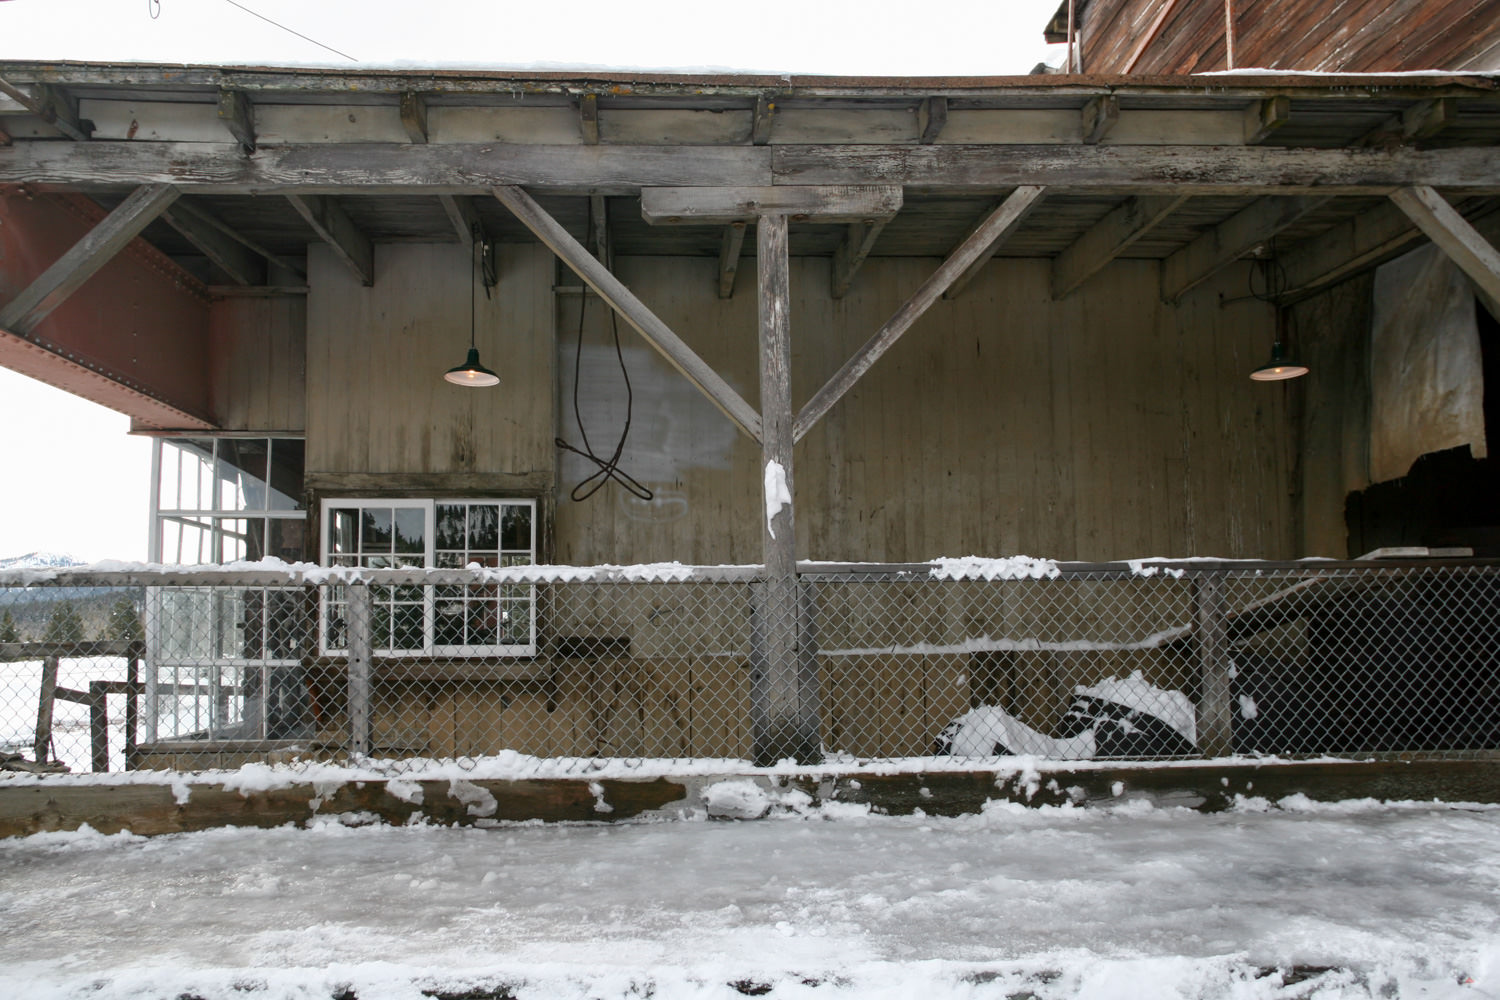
x: 1008, y: 568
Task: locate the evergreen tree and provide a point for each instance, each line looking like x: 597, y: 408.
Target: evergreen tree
x: 8, y: 632
x: 124, y: 621
x: 65, y: 625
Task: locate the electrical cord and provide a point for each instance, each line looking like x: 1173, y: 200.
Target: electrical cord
x: 607, y: 468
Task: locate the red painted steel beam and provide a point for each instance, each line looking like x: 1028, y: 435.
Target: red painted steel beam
x: 134, y: 337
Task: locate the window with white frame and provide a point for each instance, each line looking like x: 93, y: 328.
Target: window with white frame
x: 225, y: 662
x: 487, y: 619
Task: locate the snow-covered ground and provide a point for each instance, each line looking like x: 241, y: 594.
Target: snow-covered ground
x: 1132, y: 901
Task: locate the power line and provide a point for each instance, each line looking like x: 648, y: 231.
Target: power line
x: 299, y: 34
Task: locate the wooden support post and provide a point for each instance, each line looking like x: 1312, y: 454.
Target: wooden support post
x: 359, y: 619
x: 43, y: 742
x: 99, y: 725
x: 631, y: 309
x: 1214, y: 723
x: 53, y: 286
x: 1456, y: 236
x: 777, y: 730
x: 729, y: 257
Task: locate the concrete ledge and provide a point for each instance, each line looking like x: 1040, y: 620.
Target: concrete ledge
x: 46, y: 804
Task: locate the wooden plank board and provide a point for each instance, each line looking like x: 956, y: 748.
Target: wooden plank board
x: 724, y: 205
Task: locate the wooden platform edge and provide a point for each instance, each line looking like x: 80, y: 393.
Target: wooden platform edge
x: 191, y: 805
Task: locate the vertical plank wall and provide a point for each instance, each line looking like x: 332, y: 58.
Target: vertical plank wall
x: 258, y: 363
x: 376, y: 400
x: 1105, y: 426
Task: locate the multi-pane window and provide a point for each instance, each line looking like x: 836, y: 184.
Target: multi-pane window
x: 227, y: 663
x: 465, y: 619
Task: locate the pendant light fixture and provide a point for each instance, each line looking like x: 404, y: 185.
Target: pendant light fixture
x: 471, y: 372
x: 1281, y: 366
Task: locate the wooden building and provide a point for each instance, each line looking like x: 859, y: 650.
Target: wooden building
x: 945, y: 316
x: 1154, y: 37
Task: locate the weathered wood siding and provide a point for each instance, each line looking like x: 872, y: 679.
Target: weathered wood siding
x: 1105, y: 426
x: 1354, y: 36
x: 376, y: 400
x: 258, y: 363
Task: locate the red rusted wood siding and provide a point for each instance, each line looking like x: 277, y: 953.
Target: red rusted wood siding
x: 1356, y: 36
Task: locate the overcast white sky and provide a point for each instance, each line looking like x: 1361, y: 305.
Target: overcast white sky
x: 73, y: 481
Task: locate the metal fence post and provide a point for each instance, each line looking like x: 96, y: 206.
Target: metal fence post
x: 1214, y: 725
x: 360, y: 615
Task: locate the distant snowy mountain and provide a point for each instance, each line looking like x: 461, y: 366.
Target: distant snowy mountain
x: 40, y: 560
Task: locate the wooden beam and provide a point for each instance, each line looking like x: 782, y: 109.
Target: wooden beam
x: 1108, y: 238
x: 631, y: 309
x: 187, y: 208
x: 839, y: 203
x: 760, y: 128
x: 1013, y: 211
x: 1458, y: 239
x: 729, y: 257
x: 414, y: 116
x: 471, y: 168
x: 53, y: 286
x: 232, y: 257
x: 334, y: 227
x: 1230, y: 240
x: 1366, y: 240
x: 1099, y: 116
x: 462, y: 215
x: 851, y: 253
x: 4, y: 137
x: 932, y: 115
x: 53, y: 105
x: 588, y: 118
x: 1426, y: 119
x: 1264, y: 117
x: 958, y: 262
x: 1192, y: 170
x: 238, y: 116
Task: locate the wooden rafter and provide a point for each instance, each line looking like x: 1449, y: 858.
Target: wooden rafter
x: 1216, y: 249
x: 1099, y: 116
x: 1362, y: 242
x: 53, y: 286
x: 190, y: 210
x: 1264, y: 117
x: 54, y: 105
x: 588, y: 118
x: 334, y: 227
x: 631, y: 309
x: 1108, y: 238
x: 238, y: 115
x: 462, y: 215
x: 765, y: 116
x: 932, y: 115
x: 243, y: 266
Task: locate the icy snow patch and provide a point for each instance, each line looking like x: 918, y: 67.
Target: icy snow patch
x: 1009, y: 568
x: 480, y: 802
x: 406, y: 791
x: 777, y: 493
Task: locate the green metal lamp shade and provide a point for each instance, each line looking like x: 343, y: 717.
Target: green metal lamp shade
x: 471, y: 372
x: 1280, y: 367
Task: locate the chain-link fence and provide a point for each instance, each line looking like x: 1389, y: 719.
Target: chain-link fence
x: 203, y: 668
